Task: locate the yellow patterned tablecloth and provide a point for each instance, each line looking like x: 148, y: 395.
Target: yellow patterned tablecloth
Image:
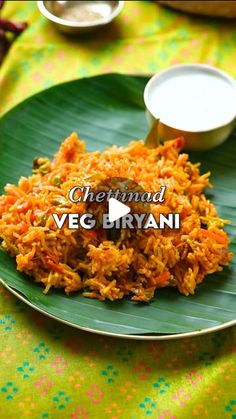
x: 49, y: 370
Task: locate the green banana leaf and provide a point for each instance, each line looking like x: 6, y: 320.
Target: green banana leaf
x: 109, y: 110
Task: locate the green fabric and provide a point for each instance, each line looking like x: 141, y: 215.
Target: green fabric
x: 49, y: 370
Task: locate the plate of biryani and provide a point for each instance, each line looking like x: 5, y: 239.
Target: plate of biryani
x: 136, y: 283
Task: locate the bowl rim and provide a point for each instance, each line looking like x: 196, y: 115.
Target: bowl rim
x: 207, y: 67
x: 76, y: 24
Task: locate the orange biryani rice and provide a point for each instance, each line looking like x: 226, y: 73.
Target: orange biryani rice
x: 139, y: 261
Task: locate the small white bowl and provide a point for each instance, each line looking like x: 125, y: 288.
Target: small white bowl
x: 196, y: 101
x: 70, y: 16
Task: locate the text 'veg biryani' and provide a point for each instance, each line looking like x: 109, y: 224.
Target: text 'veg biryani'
x: 137, y: 262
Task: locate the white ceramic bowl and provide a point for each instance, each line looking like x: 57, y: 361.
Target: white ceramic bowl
x: 196, y: 101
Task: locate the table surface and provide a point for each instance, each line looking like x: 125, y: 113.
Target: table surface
x: 49, y: 370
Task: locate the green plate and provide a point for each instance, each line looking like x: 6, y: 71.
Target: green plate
x: 109, y: 110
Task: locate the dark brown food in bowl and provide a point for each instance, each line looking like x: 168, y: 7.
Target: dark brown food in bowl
x: 208, y: 8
